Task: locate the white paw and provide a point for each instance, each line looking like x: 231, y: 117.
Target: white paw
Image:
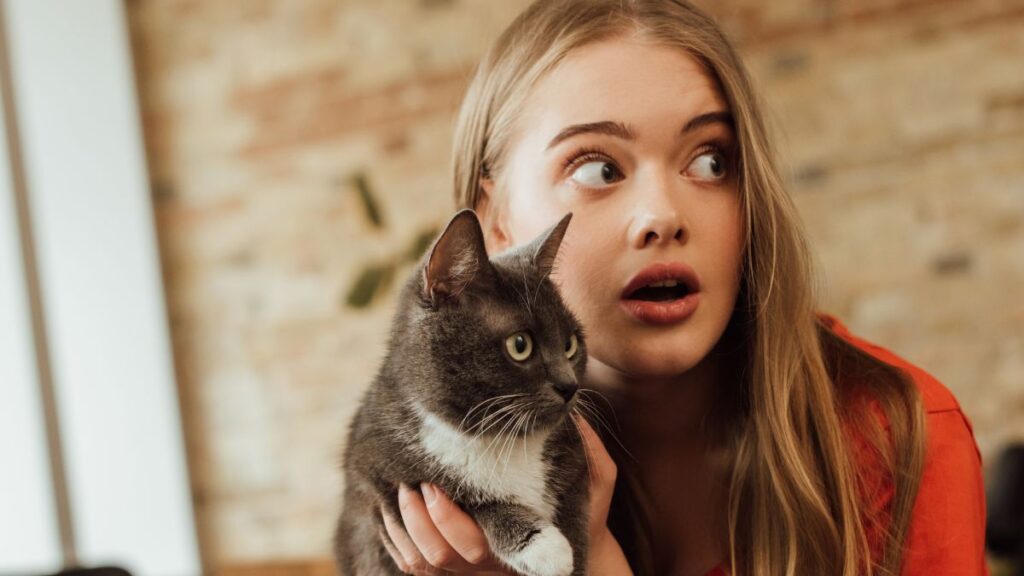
x: 547, y: 554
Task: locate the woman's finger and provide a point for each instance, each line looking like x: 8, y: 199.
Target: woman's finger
x: 414, y: 561
x: 395, y: 554
x: 432, y: 545
x: 603, y: 473
x: 458, y: 528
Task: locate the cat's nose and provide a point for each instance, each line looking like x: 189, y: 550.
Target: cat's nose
x: 566, y: 389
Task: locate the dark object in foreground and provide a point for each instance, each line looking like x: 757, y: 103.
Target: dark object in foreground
x: 99, y: 571
x: 1005, y: 527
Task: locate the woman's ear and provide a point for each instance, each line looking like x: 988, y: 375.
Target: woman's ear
x: 492, y: 218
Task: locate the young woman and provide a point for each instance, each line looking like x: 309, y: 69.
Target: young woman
x: 758, y: 436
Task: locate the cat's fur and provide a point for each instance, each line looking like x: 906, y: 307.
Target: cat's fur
x: 435, y: 414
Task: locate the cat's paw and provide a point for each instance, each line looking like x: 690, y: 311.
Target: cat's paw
x: 547, y: 554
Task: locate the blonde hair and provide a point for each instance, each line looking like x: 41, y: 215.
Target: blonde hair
x: 797, y: 500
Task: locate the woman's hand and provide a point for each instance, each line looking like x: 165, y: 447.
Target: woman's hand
x: 604, y: 555
x: 439, y: 537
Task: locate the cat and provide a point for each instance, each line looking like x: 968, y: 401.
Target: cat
x: 475, y: 395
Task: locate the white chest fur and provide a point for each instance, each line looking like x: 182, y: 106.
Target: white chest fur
x: 507, y: 469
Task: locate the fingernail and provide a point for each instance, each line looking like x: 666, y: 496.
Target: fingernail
x: 429, y: 495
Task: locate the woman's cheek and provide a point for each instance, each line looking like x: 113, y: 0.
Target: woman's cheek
x: 585, y: 287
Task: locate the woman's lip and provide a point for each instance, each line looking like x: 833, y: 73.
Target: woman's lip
x: 659, y: 272
x: 662, y: 312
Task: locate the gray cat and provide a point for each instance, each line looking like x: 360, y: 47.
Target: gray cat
x: 475, y: 396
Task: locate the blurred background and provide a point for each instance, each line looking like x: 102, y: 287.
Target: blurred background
x: 206, y: 208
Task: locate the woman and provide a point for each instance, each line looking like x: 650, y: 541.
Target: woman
x: 758, y: 436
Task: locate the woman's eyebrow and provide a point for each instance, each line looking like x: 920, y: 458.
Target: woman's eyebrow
x: 624, y: 131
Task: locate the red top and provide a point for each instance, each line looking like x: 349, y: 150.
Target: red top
x: 947, y: 526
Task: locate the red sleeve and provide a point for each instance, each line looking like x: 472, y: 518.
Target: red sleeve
x: 947, y: 527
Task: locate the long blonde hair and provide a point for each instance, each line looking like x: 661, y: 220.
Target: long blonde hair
x: 797, y: 497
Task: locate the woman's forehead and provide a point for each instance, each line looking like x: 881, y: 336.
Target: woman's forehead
x: 625, y: 81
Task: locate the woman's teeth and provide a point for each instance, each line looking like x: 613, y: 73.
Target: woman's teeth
x: 661, y: 291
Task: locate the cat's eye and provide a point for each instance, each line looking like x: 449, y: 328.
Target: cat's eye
x: 571, y: 346
x: 519, y: 346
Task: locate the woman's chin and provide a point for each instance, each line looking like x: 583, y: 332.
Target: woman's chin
x: 657, y: 362
x: 657, y: 368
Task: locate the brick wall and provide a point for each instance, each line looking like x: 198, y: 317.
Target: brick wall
x: 299, y: 152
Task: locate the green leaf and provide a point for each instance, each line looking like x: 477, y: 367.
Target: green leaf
x: 369, y: 202
x: 371, y: 281
x: 420, y: 243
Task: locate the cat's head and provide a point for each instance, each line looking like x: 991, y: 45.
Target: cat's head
x: 504, y: 347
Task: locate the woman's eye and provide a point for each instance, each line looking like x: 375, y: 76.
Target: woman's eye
x: 596, y: 174
x: 571, y: 346
x: 711, y: 165
x: 519, y: 346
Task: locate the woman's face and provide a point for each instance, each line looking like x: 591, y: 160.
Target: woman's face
x: 648, y: 174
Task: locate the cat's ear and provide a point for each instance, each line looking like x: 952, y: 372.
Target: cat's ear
x: 547, y: 245
x: 457, y: 260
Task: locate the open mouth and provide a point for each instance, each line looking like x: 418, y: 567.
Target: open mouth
x: 663, y: 291
x: 662, y: 282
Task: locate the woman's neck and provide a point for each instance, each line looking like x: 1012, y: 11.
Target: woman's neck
x: 661, y: 423
x: 654, y: 412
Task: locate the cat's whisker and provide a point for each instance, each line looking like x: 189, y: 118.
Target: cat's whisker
x: 522, y: 298
x: 536, y: 291
x: 486, y: 405
x: 496, y: 418
x: 501, y: 435
x: 594, y: 414
x: 498, y: 437
x: 520, y: 421
x: 481, y: 455
x: 586, y: 450
x: 507, y: 413
x: 479, y: 406
x: 611, y: 409
x: 594, y: 410
x: 499, y: 398
x: 588, y: 409
x: 484, y: 425
x: 510, y: 442
x: 526, y: 289
x: 526, y: 432
x: 513, y: 436
x: 497, y: 414
x: 509, y: 437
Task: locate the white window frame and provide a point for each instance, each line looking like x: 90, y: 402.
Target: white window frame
x: 80, y: 282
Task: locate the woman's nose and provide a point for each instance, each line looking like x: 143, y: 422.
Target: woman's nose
x: 655, y: 220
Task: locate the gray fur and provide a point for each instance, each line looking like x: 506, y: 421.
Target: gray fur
x: 447, y: 357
